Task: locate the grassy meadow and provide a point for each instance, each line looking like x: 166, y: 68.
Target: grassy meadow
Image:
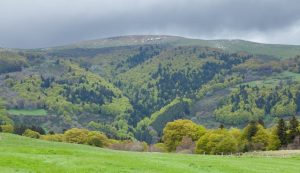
x: 21, y: 154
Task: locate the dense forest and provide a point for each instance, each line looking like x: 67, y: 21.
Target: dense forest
x: 131, y: 91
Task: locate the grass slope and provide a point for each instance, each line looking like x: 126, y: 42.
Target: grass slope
x: 20, y: 154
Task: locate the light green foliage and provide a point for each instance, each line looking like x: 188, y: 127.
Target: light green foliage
x: 217, y: 83
x: 31, y: 134
x: 161, y: 147
x: 4, y: 119
x: 284, y: 108
x: 176, y: 130
x: 30, y: 89
x: 7, y: 128
x: 217, y: 142
x: 256, y: 137
x: 76, y: 135
x: 117, y: 106
x: 274, y: 142
x: 54, y: 137
x: 97, y: 139
x: 84, y: 136
x: 251, y: 103
x: 260, y: 140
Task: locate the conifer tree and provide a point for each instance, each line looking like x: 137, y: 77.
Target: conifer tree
x: 293, y: 129
x: 281, y: 132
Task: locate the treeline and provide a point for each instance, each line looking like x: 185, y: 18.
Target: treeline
x: 11, y: 62
x: 186, y: 137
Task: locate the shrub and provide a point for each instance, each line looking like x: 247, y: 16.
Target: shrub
x: 31, y: 134
x: 76, y: 135
x: 187, y: 145
x: 97, y: 139
x: 158, y: 147
x: 8, y: 128
x: 216, y: 142
x: 176, y: 130
x: 54, y: 137
x: 130, y: 146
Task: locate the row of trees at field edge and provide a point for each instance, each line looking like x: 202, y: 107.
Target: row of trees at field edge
x: 185, y: 136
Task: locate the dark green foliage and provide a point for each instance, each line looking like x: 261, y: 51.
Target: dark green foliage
x: 145, y: 53
x: 251, y: 130
x: 281, y: 132
x: 177, y: 109
x: 293, y: 129
x: 11, y: 62
x: 150, y: 130
x: 98, y: 94
x: 20, y: 129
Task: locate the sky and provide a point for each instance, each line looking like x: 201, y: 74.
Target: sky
x: 46, y: 23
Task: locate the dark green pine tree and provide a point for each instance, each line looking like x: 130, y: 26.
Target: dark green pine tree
x: 281, y: 132
x: 261, y: 122
x: 293, y: 127
x: 252, y: 130
x: 221, y: 126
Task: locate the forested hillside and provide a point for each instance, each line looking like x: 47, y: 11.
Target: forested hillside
x: 130, y: 87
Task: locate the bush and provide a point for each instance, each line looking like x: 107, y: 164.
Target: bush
x: 97, y: 139
x: 130, y: 146
x: 54, y: 137
x: 158, y: 147
x: 187, y: 145
x: 8, y: 128
x: 176, y: 130
x: 216, y: 142
x: 31, y: 134
x: 76, y: 135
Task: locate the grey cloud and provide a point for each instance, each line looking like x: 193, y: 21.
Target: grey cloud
x: 43, y: 23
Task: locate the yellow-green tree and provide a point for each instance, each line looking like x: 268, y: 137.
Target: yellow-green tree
x: 274, y: 142
x: 31, y: 134
x: 97, y: 139
x: 76, y: 135
x: 176, y: 130
x: 217, y: 142
x: 261, y: 139
x: 8, y: 128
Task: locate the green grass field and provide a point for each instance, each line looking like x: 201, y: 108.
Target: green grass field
x: 25, y: 112
x: 20, y: 154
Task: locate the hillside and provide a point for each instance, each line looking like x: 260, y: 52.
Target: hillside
x: 21, y: 154
x: 131, y: 86
x: 276, y: 50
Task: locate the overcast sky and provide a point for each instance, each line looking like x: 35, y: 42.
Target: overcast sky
x: 44, y: 23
